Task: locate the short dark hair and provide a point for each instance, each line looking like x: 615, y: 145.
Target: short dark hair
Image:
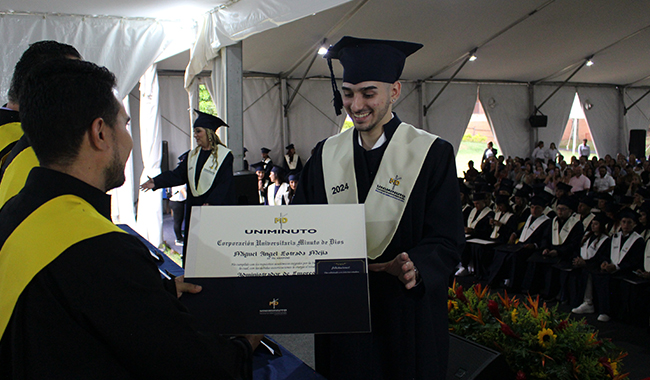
x: 37, y: 53
x: 60, y: 100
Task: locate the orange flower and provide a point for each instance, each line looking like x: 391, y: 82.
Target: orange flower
x: 478, y: 317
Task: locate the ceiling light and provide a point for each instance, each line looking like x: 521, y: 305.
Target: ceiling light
x: 590, y: 62
x: 472, y: 58
x: 322, y: 50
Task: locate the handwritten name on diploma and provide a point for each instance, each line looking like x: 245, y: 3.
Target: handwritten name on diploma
x: 279, y: 254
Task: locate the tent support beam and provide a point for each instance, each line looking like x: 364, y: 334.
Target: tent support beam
x: 467, y: 58
x: 304, y: 76
x: 563, y: 83
x: 635, y: 102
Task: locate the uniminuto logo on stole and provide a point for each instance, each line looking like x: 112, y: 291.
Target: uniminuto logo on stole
x: 390, y: 191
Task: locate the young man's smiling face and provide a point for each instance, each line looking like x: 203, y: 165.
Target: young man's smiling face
x: 369, y: 104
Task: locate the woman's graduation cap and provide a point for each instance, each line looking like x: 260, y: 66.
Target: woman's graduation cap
x: 207, y: 121
x: 368, y: 60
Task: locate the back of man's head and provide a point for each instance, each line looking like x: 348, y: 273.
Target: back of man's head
x: 37, y: 53
x: 59, y: 102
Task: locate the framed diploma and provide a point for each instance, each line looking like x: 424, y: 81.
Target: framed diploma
x: 278, y: 269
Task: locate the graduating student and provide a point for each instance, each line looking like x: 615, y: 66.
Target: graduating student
x: 292, y: 162
x: 82, y: 299
x: 626, y: 254
x: 509, y: 262
x: 406, y: 177
x: 478, y: 226
x: 16, y: 155
x: 278, y: 191
x: 262, y: 183
x: 206, y: 169
x: 562, y: 244
x: 595, y: 246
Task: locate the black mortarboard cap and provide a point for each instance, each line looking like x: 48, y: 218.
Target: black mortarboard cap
x: 265, y: 150
x: 292, y: 177
x: 502, y: 199
x: 277, y: 169
x: 538, y: 200
x: 589, y: 201
x: 628, y: 213
x: 480, y: 196
x: 207, y: 121
x: 290, y: 146
x: 257, y: 168
x: 368, y: 60
x: 602, y: 218
x: 642, y: 191
x: 569, y: 201
x: 564, y: 186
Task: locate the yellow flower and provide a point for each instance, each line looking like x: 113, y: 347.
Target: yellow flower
x: 513, y: 315
x: 546, y: 337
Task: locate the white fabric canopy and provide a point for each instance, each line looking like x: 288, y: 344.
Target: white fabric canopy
x: 227, y: 26
x: 450, y: 113
x: 506, y: 107
x: 150, y: 202
x: 127, y: 47
x: 262, y: 119
x: 603, y: 112
x: 557, y: 108
x: 638, y: 117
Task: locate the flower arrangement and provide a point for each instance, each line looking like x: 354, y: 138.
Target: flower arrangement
x: 537, y: 342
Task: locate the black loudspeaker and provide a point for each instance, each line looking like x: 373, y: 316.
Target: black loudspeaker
x: 637, y: 142
x: 538, y: 121
x: 164, y: 162
x: 471, y: 361
x: 246, y: 188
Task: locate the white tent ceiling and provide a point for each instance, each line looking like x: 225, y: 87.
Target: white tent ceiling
x: 523, y: 41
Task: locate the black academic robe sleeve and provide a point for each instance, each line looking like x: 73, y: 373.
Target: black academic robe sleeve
x: 100, y: 311
x: 507, y: 229
x: 172, y: 178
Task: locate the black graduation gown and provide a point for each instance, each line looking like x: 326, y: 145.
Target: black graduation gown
x: 100, y: 310
x: 285, y: 165
x: 7, y: 116
x: 540, y: 274
x: 509, y: 261
x: 603, y: 281
x: 222, y: 191
x: 410, y: 330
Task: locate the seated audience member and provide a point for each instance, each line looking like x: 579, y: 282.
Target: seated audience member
x: 262, y: 182
x: 604, y: 182
x: 471, y: 173
x: 640, y: 195
x: 509, y: 263
x: 478, y: 226
x: 521, y: 209
x: 465, y: 201
x: 278, y: 191
x: 643, y: 227
x: 561, y: 245
x: 579, y: 183
x: 85, y: 299
x: 585, y: 206
x: 293, y: 184
x: 595, y: 245
x: 503, y: 225
x: 625, y: 255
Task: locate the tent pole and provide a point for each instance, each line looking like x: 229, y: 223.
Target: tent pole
x: 234, y: 102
